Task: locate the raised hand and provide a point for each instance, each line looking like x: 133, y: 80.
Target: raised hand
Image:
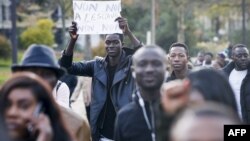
x: 73, y: 31
x: 42, y: 127
x: 123, y: 24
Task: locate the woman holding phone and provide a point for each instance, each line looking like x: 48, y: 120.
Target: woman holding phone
x: 29, y: 111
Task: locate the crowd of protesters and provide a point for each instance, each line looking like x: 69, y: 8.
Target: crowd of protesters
x: 137, y: 93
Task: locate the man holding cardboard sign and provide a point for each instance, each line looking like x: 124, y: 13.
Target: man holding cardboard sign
x: 112, y: 81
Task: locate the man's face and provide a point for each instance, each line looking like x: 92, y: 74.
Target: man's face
x: 241, y: 58
x: 220, y: 59
x: 113, y: 45
x: 200, y: 57
x: 178, y: 58
x: 47, y: 74
x: 208, y: 59
x: 149, y: 68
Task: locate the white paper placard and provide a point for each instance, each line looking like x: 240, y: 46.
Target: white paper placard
x: 97, y: 17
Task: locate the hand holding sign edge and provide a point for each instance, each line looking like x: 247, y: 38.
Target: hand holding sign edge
x: 73, y: 31
x: 123, y: 24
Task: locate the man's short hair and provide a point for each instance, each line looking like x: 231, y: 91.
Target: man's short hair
x: 161, y: 51
x: 180, y: 45
x: 121, y: 36
x: 239, y: 46
x: 210, y: 54
x: 201, y: 52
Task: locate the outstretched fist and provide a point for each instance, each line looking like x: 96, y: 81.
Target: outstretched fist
x: 175, y: 95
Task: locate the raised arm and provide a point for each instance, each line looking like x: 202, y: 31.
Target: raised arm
x: 123, y: 24
x: 67, y: 55
x: 84, y: 68
x: 73, y: 37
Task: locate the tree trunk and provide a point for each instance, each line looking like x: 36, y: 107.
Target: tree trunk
x: 181, y: 25
x: 13, y: 32
x: 63, y: 27
x: 243, y: 6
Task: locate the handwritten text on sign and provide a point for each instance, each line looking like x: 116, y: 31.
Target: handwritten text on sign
x: 97, y: 17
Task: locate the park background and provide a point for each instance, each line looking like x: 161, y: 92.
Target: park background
x: 208, y: 25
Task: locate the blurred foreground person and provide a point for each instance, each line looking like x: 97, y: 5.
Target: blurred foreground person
x: 41, y: 60
x: 211, y: 85
x: 136, y: 121
x: 3, y: 130
x: 238, y: 72
x: 29, y: 110
x: 194, y: 90
x: 203, y: 123
x: 177, y: 94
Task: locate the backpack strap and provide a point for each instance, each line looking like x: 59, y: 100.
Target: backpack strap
x: 58, y: 85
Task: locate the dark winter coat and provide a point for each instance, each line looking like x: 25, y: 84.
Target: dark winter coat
x: 121, y: 89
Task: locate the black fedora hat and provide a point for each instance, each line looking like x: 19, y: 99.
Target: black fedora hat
x: 39, y: 56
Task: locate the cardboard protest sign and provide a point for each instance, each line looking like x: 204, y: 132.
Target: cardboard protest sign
x: 97, y: 17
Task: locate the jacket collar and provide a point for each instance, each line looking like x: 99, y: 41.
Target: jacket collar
x: 173, y: 76
x: 122, y: 60
x: 228, y: 68
x: 121, y: 70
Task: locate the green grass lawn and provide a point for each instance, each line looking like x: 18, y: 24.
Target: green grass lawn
x: 5, y: 70
x: 4, y: 74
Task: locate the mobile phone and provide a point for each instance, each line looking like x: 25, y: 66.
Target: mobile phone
x: 37, y: 111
